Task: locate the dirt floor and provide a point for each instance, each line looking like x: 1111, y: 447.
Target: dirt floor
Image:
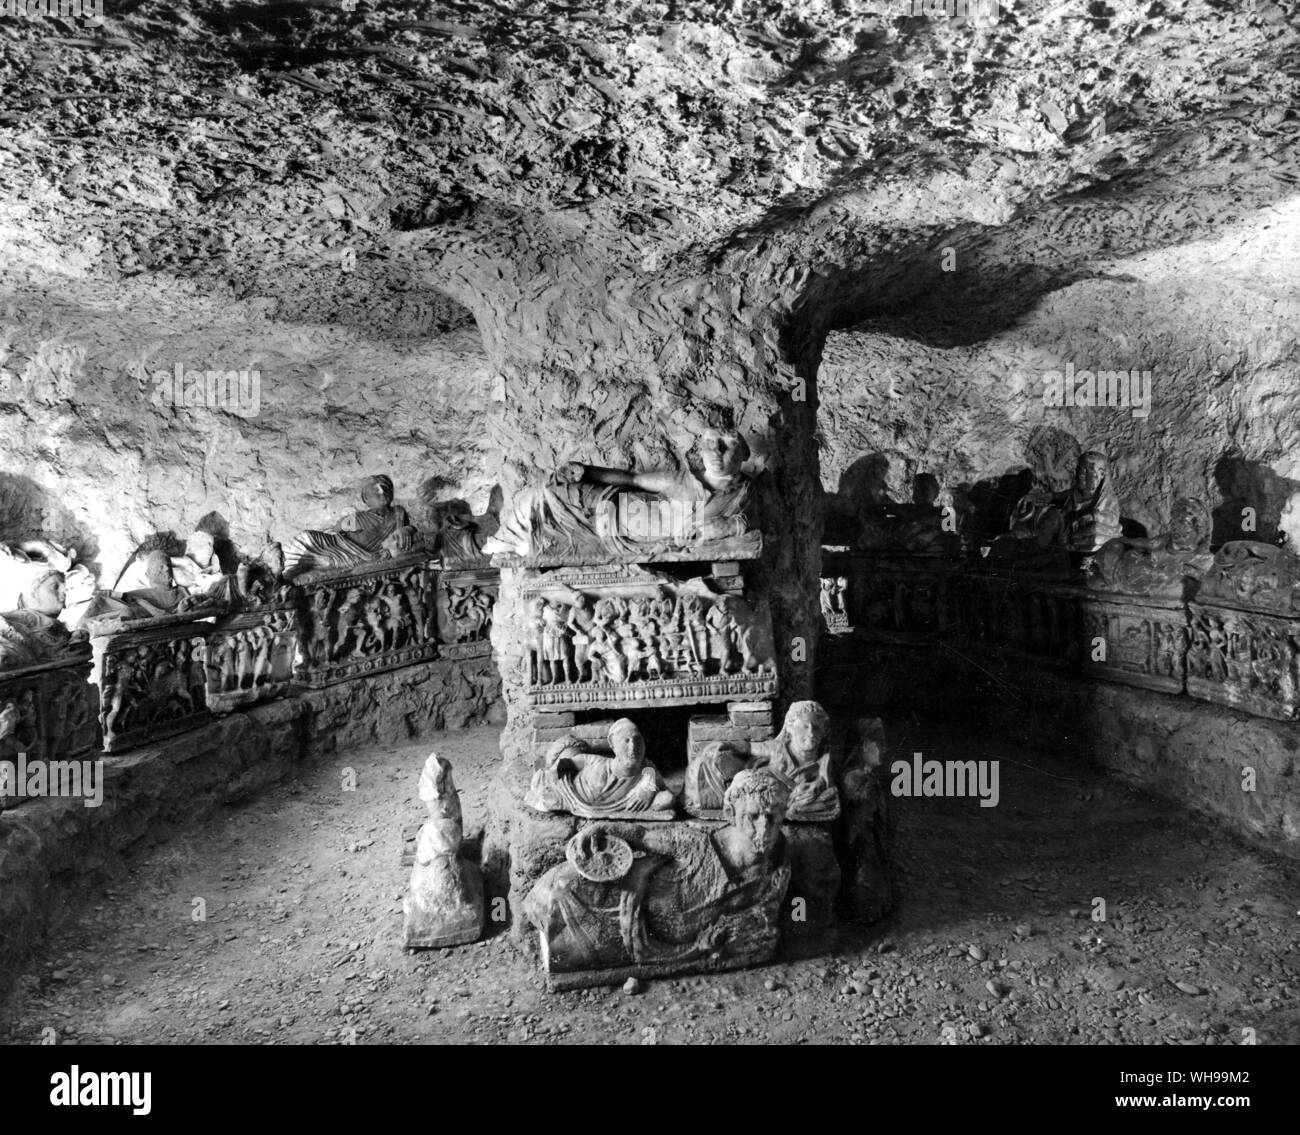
x: 993, y: 942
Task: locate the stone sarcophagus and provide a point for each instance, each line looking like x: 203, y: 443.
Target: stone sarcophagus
x: 367, y: 619
x: 649, y: 900
x: 250, y: 656
x: 1245, y: 629
x: 626, y: 637
x: 902, y: 594
x: 465, y: 602
x: 49, y: 711
x: 1134, y: 640
x: 1020, y: 616
x: 1246, y: 659
x: 152, y: 677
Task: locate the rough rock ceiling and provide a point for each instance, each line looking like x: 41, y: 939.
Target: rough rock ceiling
x: 282, y: 149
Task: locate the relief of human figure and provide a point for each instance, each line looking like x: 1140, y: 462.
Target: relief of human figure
x: 379, y: 530
x: 576, y: 511
x: 373, y: 613
x: 607, y: 661
x: 722, y: 634
x: 799, y: 756
x: 579, y: 627
x: 318, y: 645
x: 394, y: 618
x: 535, y: 624
x: 629, y: 643
x: 282, y: 650
x: 345, y: 623
x: 412, y: 587
x: 826, y: 598
x: 697, y: 633
x: 668, y: 895
x: 555, y: 652
x: 579, y: 779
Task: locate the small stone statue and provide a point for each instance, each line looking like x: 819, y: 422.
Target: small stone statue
x: 379, y: 530
x: 575, y: 513
x: 798, y: 756
x: 444, y: 903
x: 1159, y: 565
x: 621, y: 784
x: 1090, y: 508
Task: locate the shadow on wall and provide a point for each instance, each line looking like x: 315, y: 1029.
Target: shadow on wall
x: 865, y: 478
x: 29, y: 511
x: 1253, y: 496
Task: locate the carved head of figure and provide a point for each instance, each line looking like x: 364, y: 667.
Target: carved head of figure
x: 629, y: 747
x: 377, y: 491
x: 925, y: 490
x: 438, y: 794
x: 755, y: 804
x: 45, y: 593
x: 1288, y: 523
x: 273, y: 557
x: 201, y: 548
x: 1189, y: 526
x: 158, y: 570
x: 1090, y: 472
x: 805, y: 730
x: 721, y: 452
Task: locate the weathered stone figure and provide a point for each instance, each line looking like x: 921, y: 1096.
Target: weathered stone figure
x: 444, y: 903
x: 798, y: 756
x: 576, y: 514
x: 619, y: 784
x: 379, y: 530
x: 31, y: 632
x: 1259, y: 575
x: 667, y: 898
x: 1159, y: 565
x: 161, y: 596
x: 1090, y: 507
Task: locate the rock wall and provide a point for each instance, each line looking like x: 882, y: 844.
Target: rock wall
x: 94, y: 453
x: 956, y: 387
